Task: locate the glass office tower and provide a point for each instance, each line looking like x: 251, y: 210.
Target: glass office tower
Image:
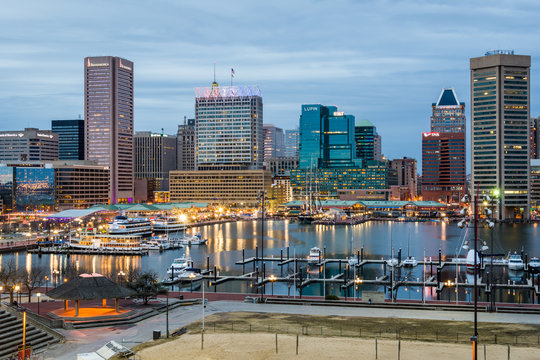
x: 70, y: 138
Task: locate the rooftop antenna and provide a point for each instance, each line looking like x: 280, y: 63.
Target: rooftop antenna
x: 184, y: 120
x: 162, y: 131
x: 215, y: 84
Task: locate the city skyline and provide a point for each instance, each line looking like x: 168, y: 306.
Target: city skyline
x: 387, y: 79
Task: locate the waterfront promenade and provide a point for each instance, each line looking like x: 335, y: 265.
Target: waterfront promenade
x: 88, y: 340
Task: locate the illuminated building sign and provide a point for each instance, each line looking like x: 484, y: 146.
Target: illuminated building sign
x: 431, y: 134
x: 339, y: 113
x: 89, y: 64
x: 310, y: 108
x: 12, y: 135
x: 122, y: 66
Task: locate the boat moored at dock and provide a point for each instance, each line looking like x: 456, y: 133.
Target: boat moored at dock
x: 123, y: 225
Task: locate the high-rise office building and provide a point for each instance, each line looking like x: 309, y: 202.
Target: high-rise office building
x: 368, y: 142
x: 155, y: 156
x: 29, y: 144
x: 292, y: 139
x: 273, y: 142
x: 228, y: 128
x: 108, y: 101
x: 534, y: 138
x: 500, y: 93
x: 443, y: 166
x: 185, y: 145
x: 448, y: 114
x: 70, y: 138
x: 406, y: 174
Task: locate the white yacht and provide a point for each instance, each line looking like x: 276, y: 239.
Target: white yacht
x: 193, y: 240
x: 534, y: 265
x: 122, y: 225
x: 156, y: 243
x: 515, y: 262
x: 179, y: 264
x: 166, y: 224
x: 410, y: 261
x: 315, y: 256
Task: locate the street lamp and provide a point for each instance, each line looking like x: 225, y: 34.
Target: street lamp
x: 46, y: 284
x: 1, y: 291
x: 38, y: 301
x: 18, y: 290
x: 449, y: 284
x: 121, y: 275
x: 55, y: 273
x: 357, y: 282
x: 191, y: 277
x: 272, y: 278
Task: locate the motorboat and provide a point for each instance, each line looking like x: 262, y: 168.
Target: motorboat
x: 178, y: 265
x: 166, y: 224
x: 410, y: 261
x: 534, y: 265
x: 193, y: 240
x: 156, y: 243
x: 315, y: 256
x: 392, y: 262
x: 515, y: 262
x: 352, y: 261
x: 122, y: 225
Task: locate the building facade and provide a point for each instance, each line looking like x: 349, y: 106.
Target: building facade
x: 227, y: 187
x: 368, y: 142
x: 534, y: 138
x: 443, y: 167
x: 406, y: 169
x: 108, y: 101
x: 155, y: 156
x: 448, y: 114
x: 281, y: 166
x: 535, y: 186
x: 273, y: 142
x: 40, y: 186
x: 500, y: 93
x: 229, y: 128
x: 70, y: 138
x: 29, y: 144
x: 292, y: 141
x: 185, y: 145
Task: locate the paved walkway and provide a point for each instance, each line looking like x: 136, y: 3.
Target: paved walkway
x: 88, y: 340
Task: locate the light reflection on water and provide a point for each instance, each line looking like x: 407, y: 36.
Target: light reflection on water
x: 226, y: 242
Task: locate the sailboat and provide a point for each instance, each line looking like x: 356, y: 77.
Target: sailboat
x: 410, y: 261
x: 392, y: 261
x: 352, y: 260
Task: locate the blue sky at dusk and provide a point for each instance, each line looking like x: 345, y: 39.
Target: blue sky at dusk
x: 385, y: 61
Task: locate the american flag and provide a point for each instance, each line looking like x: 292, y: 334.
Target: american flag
x: 232, y: 72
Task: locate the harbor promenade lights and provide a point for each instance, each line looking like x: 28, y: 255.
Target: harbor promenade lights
x: 450, y: 284
x: 121, y: 275
x: 357, y: 282
x: 192, y: 277
x: 272, y: 278
x: 55, y: 273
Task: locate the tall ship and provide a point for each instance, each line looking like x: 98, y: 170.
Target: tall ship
x: 122, y: 225
x: 166, y: 224
x: 106, y: 242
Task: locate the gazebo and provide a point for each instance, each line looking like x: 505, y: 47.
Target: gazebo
x: 90, y: 287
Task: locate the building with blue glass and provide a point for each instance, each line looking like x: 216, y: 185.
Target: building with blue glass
x: 368, y: 142
x: 328, y: 158
x: 70, y: 138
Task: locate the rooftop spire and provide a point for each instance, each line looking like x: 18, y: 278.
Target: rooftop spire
x: 215, y: 84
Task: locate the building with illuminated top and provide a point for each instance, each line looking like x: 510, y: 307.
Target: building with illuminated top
x: 448, y: 114
x: 500, y: 93
x: 29, y: 144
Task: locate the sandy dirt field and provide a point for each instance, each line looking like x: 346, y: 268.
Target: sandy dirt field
x: 263, y: 346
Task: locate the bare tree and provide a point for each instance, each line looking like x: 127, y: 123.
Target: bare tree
x: 9, y: 278
x: 33, y: 279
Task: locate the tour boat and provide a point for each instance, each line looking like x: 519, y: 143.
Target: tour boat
x: 178, y: 265
x: 123, y: 225
x: 166, y: 224
x: 515, y: 262
x: 315, y: 256
x: 534, y: 265
x: 156, y: 243
x: 105, y: 242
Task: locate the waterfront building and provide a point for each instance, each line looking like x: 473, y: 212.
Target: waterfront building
x: 228, y: 128
x: 443, y: 166
x: 292, y: 141
x: 406, y: 169
x: 108, y: 102
x: 281, y: 166
x: 364, y: 194
x: 281, y: 191
x: 534, y: 137
x: 535, y: 185
x: 368, y: 142
x: 228, y: 187
x: 70, y: 138
x: 500, y: 93
x: 448, y: 114
x: 29, y: 144
x: 155, y: 156
x: 273, y: 145
x: 185, y: 145
x: 48, y: 186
